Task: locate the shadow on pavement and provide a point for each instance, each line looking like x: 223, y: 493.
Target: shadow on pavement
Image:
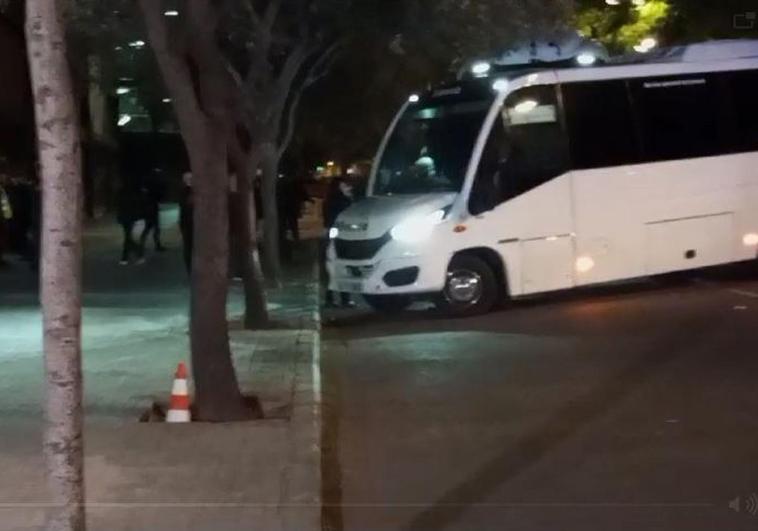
x: 593, y: 310
x: 563, y: 424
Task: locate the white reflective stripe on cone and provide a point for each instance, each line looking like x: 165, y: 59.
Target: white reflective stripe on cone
x: 179, y: 388
x: 178, y: 415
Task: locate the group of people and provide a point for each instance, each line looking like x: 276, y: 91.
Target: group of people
x: 139, y: 200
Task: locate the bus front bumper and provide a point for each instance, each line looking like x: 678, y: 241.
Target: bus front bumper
x: 387, y: 275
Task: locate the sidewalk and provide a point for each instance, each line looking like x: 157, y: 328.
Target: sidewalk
x: 257, y: 475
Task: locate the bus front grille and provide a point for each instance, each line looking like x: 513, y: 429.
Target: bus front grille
x: 360, y: 249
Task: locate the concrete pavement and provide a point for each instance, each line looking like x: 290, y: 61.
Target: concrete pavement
x: 262, y: 475
x: 628, y: 408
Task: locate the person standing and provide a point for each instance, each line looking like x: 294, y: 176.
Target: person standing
x: 35, y: 225
x: 290, y: 196
x: 339, y: 197
x: 129, y: 211
x: 152, y: 194
x: 6, y: 214
x: 186, y: 224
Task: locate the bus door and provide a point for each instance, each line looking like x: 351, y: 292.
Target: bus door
x: 522, y: 192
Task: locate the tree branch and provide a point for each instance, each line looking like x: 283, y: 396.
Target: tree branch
x: 289, y: 125
x: 272, y: 11
x: 219, y: 96
x: 318, y: 69
x: 291, y: 68
x: 323, y: 63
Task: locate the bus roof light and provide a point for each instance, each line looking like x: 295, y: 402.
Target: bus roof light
x: 586, y: 59
x: 646, y: 45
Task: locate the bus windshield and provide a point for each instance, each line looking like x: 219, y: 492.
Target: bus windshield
x: 430, y: 148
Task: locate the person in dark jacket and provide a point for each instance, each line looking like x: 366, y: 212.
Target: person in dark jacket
x: 186, y: 225
x: 130, y: 209
x: 338, y: 199
x: 152, y: 193
x: 6, y: 215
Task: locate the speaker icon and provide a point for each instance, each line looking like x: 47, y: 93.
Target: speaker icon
x: 748, y: 504
x: 751, y: 504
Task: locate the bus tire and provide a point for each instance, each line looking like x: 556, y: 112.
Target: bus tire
x: 388, y: 303
x: 471, y: 287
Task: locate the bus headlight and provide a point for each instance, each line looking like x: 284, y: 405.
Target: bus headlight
x: 417, y: 228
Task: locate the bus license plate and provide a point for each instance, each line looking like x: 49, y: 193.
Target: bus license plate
x: 350, y: 287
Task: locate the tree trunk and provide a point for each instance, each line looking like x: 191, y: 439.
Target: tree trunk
x: 217, y: 394
x: 61, y: 173
x: 198, y: 102
x: 271, y: 258
x: 246, y: 249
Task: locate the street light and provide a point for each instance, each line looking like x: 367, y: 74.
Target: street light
x: 171, y: 13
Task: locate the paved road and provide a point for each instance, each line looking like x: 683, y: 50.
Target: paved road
x: 625, y: 408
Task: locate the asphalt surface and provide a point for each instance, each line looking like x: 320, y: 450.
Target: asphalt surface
x: 631, y: 407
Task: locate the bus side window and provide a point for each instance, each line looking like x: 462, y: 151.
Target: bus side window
x: 537, y: 144
x: 679, y: 116
x: 487, y: 191
x: 600, y: 124
x: 742, y: 87
x: 527, y: 147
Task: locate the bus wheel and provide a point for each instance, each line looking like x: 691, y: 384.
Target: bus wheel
x: 470, y: 289
x: 388, y: 303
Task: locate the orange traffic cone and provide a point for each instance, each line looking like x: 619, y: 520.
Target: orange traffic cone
x: 179, y: 411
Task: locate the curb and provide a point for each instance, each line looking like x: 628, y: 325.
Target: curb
x: 300, y: 502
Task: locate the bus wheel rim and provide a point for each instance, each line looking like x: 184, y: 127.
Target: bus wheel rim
x: 464, y: 287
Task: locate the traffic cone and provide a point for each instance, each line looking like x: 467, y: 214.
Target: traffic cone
x: 178, y: 410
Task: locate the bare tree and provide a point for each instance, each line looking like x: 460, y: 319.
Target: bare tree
x: 199, y: 86
x: 101, y: 30
x: 60, y: 162
x: 245, y: 233
x: 276, y: 50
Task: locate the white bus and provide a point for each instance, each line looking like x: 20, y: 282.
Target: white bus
x: 545, y: 180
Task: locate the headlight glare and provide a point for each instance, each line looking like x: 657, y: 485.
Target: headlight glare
x: 417, y: 228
